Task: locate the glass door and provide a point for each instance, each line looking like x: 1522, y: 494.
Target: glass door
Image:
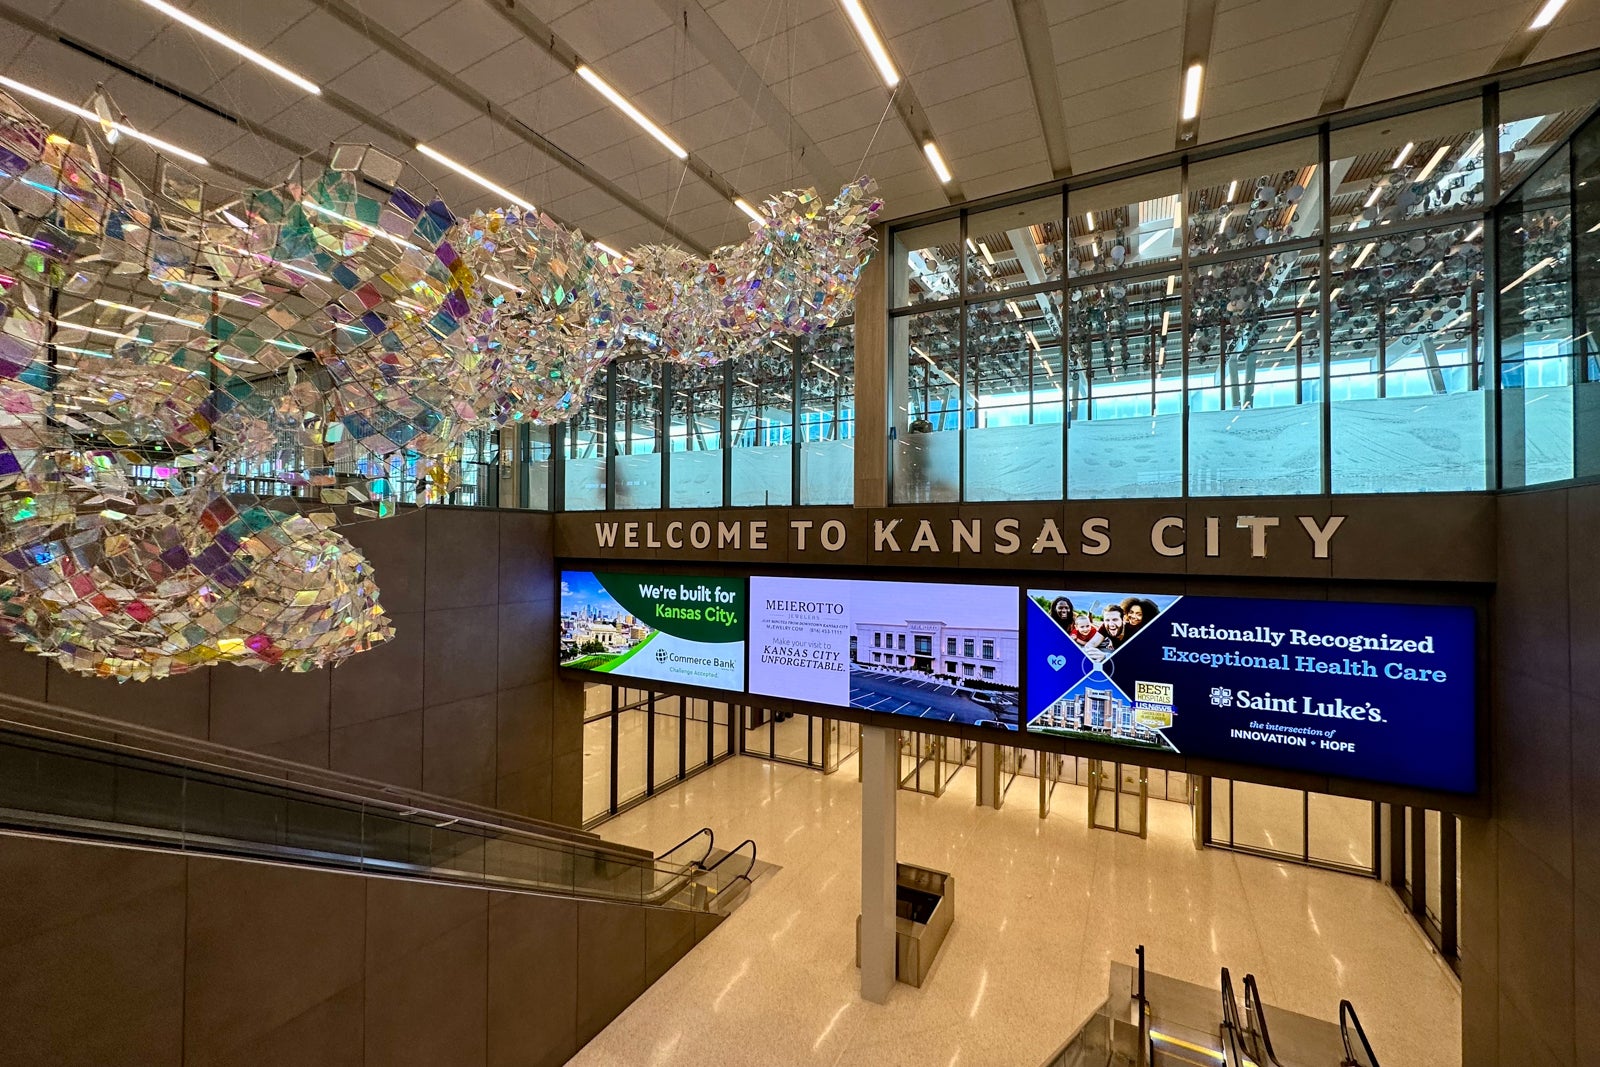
x: 1118, y: 797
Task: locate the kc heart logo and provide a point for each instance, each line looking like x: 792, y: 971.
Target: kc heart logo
x: 1057, y: 662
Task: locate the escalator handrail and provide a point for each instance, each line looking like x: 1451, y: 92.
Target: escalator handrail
x: 711, y: 841
x: 99, y: 748
x: 1255, y: 1018
x: 734, y: 851
x: 1348, y: 1022
x: 78, y: 727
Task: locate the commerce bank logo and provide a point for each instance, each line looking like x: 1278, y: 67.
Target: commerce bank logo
x: 661, y: 655
x: 1221, y: 697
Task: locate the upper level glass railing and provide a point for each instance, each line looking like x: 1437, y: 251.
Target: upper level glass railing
x: 97, y: 787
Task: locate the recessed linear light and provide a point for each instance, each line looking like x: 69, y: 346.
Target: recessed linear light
x: 1377, y: 191
x: 608, y: 250
x: 1547, y: 14
x: 783, y: 346
x: 90, y: 116
x: 1438, y: 157
x: 871, y: 41
x: 1365, y: 252
x: 931, y: 150
x: 1233, y: 188
x: 237, y: 47
x: 358, y: 226
x: 825, y: 370
x: 473, y: 176
x: 1032, y: 340
x: 1400, y: 160
x: 1477, y: 231
x: 988, y: 256
x: 1293, y: 340
x: 151, y: 314
x: 502, y: 283
x: 1191, y: 92
x: 622, y: 105
x: 1088, y: 219
x: 744, y: 206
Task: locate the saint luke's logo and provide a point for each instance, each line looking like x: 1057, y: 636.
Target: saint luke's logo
x: 1222, y: 698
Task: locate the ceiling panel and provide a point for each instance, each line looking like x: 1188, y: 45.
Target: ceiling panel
x: 1116, y: 66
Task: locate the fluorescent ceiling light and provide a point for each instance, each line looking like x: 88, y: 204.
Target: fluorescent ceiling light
x: 632, y: 112
x: 1233, y: 187
x: 871, y: 41
x: 1191, y: 92
x: 1165, y: 318
x: 783, y: 346
x: 209, y: 31
x: 89, y: 116
x: 1012, y: 304
x: 931, y: 150
x: 1547, y: 14
x: 988, y: 256
x: 744, y: 206
x: 502, y: 283
x: 151, y: 314
x: 608, y: 250
x: 1088, y: 218
x: 358, y: 226
x: 1400, y: 160
x: 1290, y: 346
x: 1365, y: 252
x: 1438, y: 157
x: 971, y: 247
x: 1172, y: 283
x: 825, y: 370
x: 1476, y: 232
x: 1377, y: 191
x: 1032, y: 340
x: 472, y: 175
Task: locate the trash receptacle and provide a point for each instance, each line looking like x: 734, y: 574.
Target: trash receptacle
x: 924, y: 906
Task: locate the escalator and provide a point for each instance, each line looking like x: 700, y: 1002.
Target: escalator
x: 67, y: 775
x: 1157, y: 1021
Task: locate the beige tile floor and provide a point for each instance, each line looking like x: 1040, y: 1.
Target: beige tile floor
x: 1042, y: 908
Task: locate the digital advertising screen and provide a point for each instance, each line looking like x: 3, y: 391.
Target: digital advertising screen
x: 668, y: 628
x: 1381, y: 692
x: 919, y: 649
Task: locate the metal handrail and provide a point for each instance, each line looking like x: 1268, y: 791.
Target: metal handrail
x: 81, y: 728
x: 1355, y: 1055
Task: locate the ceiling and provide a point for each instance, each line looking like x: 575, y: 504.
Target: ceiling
x: 764, y: 94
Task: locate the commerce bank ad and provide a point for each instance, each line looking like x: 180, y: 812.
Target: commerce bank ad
x: 665, y: 627
x: 1380, y: 692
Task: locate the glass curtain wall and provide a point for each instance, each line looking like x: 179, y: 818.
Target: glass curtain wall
x: 637, y: 743
x: 1547, y: 243
x: 1299, y: 318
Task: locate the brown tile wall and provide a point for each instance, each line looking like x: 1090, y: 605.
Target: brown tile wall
x: 1530, y: 895
x: 117, y: 956
x: 463, y: 703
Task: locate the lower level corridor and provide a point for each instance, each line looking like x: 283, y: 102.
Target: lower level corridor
x: 1042, y: 908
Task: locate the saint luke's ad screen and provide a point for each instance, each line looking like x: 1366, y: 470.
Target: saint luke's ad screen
x: 1380, y: 692
x: 669, y: 628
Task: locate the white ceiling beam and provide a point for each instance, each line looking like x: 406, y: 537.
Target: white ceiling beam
x: 1033, y: 33
x: 709, y: 40
x: 1353, y: 59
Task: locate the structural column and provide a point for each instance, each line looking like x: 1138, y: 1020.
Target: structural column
x: 879, y: 781
x: 988, y: 775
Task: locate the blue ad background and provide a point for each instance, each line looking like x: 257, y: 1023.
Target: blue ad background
x: 1428, y: 738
